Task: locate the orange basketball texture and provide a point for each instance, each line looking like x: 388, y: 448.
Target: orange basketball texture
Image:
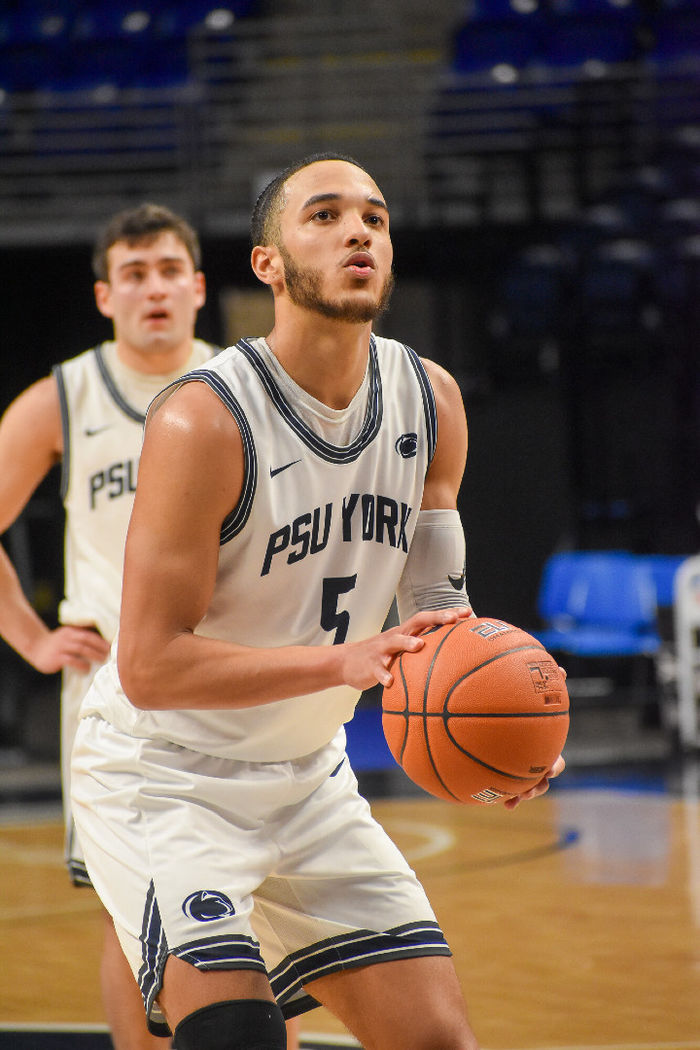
x: 478, y: 714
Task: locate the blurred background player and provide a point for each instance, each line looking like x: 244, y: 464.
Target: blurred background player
x: 88, y: 416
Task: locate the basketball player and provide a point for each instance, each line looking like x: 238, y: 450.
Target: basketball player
x: 287, y: 491
x: 88, y: 415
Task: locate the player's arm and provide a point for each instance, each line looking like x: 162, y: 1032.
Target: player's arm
x: 445, y: 473
x: 190, y: 478
x: 435, y: 572
x: 31, y: 443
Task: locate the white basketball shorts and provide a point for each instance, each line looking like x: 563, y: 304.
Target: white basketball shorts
x: 74, y: 686
x: 278, y: 867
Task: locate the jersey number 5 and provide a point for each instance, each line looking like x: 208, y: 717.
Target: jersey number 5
x: 331, y: 618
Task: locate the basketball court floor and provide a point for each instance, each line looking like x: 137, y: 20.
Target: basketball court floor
x: 574, y: 920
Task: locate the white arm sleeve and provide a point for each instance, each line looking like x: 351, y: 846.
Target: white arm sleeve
x: 435, y: 573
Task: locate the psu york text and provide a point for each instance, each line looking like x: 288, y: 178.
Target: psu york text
x: 360, y: 517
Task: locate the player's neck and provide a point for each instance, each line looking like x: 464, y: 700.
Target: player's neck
x: 154, y: 360
x: 327, y: 359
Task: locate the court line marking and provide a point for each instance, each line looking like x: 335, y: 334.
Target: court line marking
x: 437, y: 839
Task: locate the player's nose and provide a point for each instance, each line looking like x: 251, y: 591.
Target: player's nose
x: 356, y: 229
x: 155, y: 284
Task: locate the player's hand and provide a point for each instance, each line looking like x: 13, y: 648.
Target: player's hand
x: 420, y: 621
x: 368, y: 663
x: 539, y: 788
x: 77, y: 647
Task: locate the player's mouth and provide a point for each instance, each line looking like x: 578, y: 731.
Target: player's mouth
x: 361, y: 264
x: 158, y: 315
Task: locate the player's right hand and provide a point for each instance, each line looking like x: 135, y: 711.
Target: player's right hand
x: 368, y: 663
x: 65, y: 646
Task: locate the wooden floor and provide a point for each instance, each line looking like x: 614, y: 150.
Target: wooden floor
x: 575, y: 920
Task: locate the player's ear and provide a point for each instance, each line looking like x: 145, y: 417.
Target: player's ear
x: 267, y: 264
x: 103, y: 298
x: 200, y: 289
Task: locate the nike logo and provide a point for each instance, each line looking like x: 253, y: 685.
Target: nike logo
x: 457, y: 581
x: 91, y: 431
x: 278, y: 470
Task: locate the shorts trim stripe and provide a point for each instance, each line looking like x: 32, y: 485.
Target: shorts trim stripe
x: 78, y: 873
x: 154, y: 948
x: 355, y: 949
x: 222, y: 953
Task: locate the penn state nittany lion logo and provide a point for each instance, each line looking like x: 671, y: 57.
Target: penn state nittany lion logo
x: 407, y: 445
x: 208, y: 905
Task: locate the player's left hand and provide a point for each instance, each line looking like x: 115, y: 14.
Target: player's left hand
x: 539, y: 788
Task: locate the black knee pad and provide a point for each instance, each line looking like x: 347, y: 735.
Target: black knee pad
x: 237, y: 1024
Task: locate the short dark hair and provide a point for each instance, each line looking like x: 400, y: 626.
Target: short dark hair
x: 141, y: 225
x: 265, y: 217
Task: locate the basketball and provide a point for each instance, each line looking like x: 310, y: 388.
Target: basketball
x: 477, y: 715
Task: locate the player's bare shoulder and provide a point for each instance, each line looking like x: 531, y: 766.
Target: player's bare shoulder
x: 190, y: 428
x: 193, y: 409
x: 445, y: 387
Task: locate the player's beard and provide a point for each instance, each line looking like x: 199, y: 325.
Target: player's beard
x: 304, y: 289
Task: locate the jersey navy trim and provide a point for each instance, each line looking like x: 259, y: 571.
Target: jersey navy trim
x: 113, y: 389
x: 324, y: 449
x: 233, y: 522
x: 429, y: 405
x: 65, y: 428
x: 361, y: 948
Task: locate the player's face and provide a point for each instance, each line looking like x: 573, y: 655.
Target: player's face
x: 335, y: 242
x: 152, y: 295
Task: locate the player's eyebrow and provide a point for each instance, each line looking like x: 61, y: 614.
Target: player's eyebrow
x: 319, y: 198
x: 139, y: 261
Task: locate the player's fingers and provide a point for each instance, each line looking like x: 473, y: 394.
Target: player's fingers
x: 434, y: 617
x: 558, y: 768
x: 78, y: 663
x: 87, y: 642
x: 540, y: 788
x: 515, y: 800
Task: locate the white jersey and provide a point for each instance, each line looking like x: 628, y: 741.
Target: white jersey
x: 314, y: 550
x: 103, y: 409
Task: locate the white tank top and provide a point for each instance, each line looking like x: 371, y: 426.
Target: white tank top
x: 103, y: 407
x: 313, y: 552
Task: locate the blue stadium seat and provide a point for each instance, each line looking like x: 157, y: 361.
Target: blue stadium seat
x: 598, y: 604
x: 680, y: 5
x: 663, y: 570
x: 482, y: 47
x: 59, y: 45
x: 589, y: 43
x: 676, y: 38
x: 497, y: 10
x: 597, y: 8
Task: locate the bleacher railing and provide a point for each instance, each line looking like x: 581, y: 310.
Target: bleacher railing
x: 459, y: 148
